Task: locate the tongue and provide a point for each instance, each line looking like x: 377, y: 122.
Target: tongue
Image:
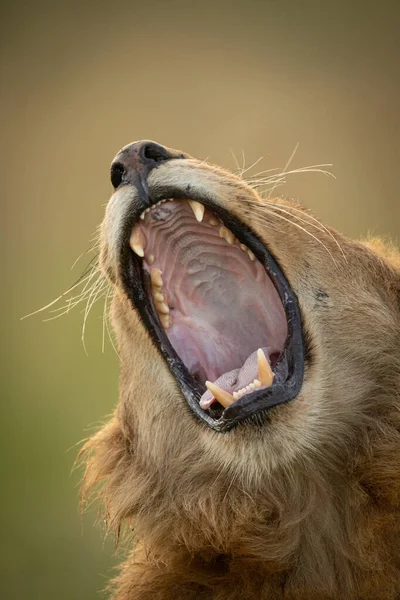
x: 235, y: 380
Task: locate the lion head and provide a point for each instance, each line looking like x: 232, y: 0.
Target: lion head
x: 255, y: 448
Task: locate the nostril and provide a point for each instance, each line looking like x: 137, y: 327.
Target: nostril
x: 155, y: 152
x: 117, y: 173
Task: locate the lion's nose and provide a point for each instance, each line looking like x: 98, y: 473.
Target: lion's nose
x: 139, y: 158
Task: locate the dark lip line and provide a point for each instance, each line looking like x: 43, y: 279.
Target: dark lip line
x: 256, y: 402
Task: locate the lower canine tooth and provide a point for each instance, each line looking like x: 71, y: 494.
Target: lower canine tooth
x: 265, y: 374
x: 137, y: 241
x: 198, y: 209
x: 223, y: 397
x: 156, y: 278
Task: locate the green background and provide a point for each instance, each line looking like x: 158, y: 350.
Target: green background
x: 79, y: 81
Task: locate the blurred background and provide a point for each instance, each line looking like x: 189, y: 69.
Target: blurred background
x: 78, y: 82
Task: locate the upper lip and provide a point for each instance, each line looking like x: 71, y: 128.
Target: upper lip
x: 257, y: 402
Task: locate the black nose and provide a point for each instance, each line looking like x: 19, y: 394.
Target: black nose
x: 138, y: 159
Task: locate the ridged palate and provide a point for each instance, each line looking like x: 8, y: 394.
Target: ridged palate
x: 213, y: 297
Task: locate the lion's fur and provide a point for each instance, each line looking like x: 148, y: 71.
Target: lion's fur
x: 305, y: 507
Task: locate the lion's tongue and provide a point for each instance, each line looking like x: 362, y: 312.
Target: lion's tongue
x: 221, y: 304
x: 235, y: 380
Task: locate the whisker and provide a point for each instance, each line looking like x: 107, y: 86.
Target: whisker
x: 251, y: 166
x: 108, y: 324
x: 262, y: 183
x: 287, y: 165
x: 266, y: 171
x: 262, y: 221
x: 310, y: 169
x: 67, y: 309
x: 43, y: 308
x: 322, y: 226
x: 243, y: 161
x: 235, y: 159
x: 97, y: 288
x: 287, y: 212
x: 103, y: 324
x: 259, y: 207
x: 71, y: 304
x: 78, y: 259
x: 72, y: 301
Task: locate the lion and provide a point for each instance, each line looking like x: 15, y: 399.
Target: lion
x: 254, y: 452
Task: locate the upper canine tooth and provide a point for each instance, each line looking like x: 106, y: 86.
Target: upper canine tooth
x: 265, y: 374
x: 137, y: 241
x: 223, y: 397
x: 156, y: 279
x: 198, y: 209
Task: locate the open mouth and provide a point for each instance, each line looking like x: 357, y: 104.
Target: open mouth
x: 219, y: 309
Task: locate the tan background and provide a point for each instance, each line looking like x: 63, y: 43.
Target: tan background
x: 79, y: 82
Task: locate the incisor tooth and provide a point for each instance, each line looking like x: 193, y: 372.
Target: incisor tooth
x: 137, y: 241
x: 156, y: 279
x: 251, y: 255
x: 150, y: 260
x: 158, y: 297
x: 198, y: 209
x: 213, y: 222
x: 257, y: 383
x: 265, y: 374
x: 223, y: 397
